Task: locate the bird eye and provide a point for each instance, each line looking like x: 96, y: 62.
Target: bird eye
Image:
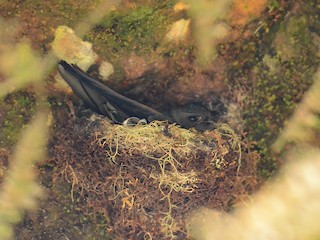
x: 192, y: 118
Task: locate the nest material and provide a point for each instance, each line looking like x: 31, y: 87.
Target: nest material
x: 145, y: 179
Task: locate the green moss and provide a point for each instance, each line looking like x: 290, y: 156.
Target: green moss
x: 273, y: 5
x: 281, y: 82
x: 65, y: 11
x: 138, y: 30
x: 293, y: 38
x: 16, y: 110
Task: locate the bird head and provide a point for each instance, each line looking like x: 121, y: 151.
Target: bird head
x: 195, y: 115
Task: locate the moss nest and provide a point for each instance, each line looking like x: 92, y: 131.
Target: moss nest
x: 144, y: 180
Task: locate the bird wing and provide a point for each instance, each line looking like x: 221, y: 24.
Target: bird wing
x: 103, y: 99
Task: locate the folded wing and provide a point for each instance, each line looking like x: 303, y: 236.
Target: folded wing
x: 103, y: 99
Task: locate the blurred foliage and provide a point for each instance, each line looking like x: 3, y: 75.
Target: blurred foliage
x: 216, y: 21
x: 19, y: 190
x: 304, y: 124
x: 273, y: 213
x: 278, y: 79
x: 208, y: 27
x: 21, y: 66
x: 102, y: 9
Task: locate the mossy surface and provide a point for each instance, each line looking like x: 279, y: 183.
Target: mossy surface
x: 138, y: 30
x: 277, y: 64
x: 60, y: 215
x: 15, y: 110
x: 39, y: 18
x: 279, y: 82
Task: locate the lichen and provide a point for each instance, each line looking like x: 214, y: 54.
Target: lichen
x: 69, y: 47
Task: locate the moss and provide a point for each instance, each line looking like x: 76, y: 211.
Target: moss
x: 58, y: 213
x: 273, y: 5
x: 16, y: 110
x: 293, y: 39
x: 20, y: 191
x: 281, y: 80
x: 117, y: 173
x: 43, y: 17
x: 138, y: 30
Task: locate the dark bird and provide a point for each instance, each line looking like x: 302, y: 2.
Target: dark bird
x: 192, y: 115
x: 105, y: 101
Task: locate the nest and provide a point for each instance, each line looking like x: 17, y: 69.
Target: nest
x: 144, y: 180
